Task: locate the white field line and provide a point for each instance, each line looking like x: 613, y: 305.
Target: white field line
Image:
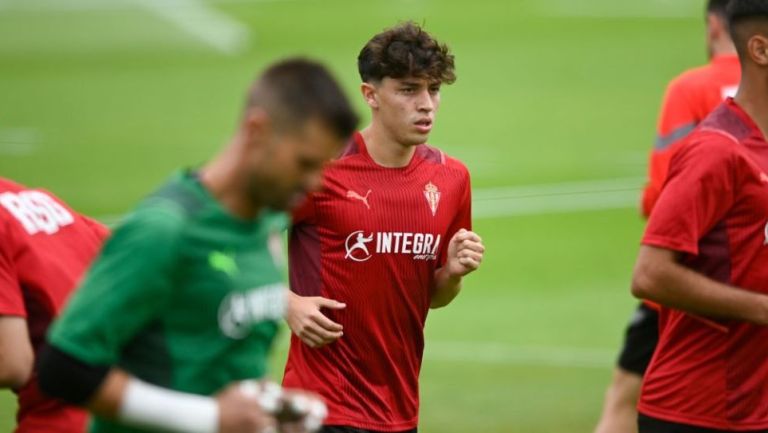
x: 479, y: 352
x: 621, y: 9
x: 566, y: 197
x: 557, y: 198
x: 19, y: 141
x: 199, y: 20
x: 196, y: 18
x: 102, y: 5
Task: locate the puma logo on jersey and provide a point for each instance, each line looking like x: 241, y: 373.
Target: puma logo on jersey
x: 763, y: 177
x: 353, y: 195
x: 223, y: 262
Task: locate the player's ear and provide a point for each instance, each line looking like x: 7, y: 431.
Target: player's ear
x: 370, y: 95
x: 713, y: 27
x: 757, y: 46
x: 257, y: 125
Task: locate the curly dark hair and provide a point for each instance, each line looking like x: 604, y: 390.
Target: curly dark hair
x: 405, y: 50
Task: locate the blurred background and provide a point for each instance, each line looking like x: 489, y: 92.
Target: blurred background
x: 553, y: 112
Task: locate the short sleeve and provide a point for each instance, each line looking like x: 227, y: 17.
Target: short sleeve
x: 463, y: 217
x: 127, y: 287
x: 11, y: 297
x: 304, y: 212
x: 677, y: 119
x: 100, y: 230
x: 699, y: 192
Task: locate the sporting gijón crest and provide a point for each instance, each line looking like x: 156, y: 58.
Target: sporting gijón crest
x: 432, y: 194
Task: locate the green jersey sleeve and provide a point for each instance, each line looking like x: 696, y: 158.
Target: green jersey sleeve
x: 127, y: 287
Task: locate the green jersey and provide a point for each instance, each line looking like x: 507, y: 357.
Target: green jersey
x: 184, y: 295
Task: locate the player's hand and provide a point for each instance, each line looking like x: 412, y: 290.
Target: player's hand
x: 307, y: 321
x: 465, y: 253
x: 302, y: 412
x: 241, y: 412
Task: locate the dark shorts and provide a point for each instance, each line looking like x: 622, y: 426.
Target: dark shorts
x: 647, y: 424
x: 640, y: 340
x: 342, y: 429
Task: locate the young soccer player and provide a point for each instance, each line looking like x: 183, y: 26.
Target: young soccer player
x: 184, y: 301
x: 688, y: 99
x: 704, y: 260
x: 386, y: 239
x: 45, y: 248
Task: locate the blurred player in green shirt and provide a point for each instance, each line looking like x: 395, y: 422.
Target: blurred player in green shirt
x: 184, y: 302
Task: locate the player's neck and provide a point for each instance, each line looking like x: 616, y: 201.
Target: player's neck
x: 751, y: 97
x: 722, y: 49
x: 219, y: 177
x: 384, y: 149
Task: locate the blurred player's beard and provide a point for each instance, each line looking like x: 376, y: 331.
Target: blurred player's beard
x: 264, y: 189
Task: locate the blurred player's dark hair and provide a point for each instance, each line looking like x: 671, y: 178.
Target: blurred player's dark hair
x: 405, y: 50
x: 742, y: 13
x: 297, y: 90
x: 717, y: 7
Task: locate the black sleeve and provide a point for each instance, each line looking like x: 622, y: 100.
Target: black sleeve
x: 67, y: 378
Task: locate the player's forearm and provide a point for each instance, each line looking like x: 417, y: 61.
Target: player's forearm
x: 447, y: 287
x: 659, y: 278
x: 112, y: 393
x: 16, y: 356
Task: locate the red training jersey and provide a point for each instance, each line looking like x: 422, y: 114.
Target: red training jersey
x: 688, y: 100
x: 373, y: 238
x: 714, y: 211
x: 45, y: 249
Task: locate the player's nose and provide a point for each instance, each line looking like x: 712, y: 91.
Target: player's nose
x: 424, y: 101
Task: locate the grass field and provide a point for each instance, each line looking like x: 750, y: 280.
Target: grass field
x: 99, y: 101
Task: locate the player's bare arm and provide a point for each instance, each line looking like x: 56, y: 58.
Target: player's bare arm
x: 660, y: 278
x: 465, y: 253
x: 306, y: 319
x: 16, y: 356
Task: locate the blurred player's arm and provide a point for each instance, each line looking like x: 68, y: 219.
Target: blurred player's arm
x: 132, y: 274
x: 678, y: 118
x: 660, y: 278
x: 16, y: 355
x: 111, y: 393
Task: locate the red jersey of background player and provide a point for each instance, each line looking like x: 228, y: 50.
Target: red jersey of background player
x: 688, y: 100
x: 373, y: 238
x: 45, y: 249
x: 713, y: 210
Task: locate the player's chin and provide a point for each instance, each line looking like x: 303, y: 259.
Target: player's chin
x: 415, y: 138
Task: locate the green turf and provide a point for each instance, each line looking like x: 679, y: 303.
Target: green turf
x: 108, y: 102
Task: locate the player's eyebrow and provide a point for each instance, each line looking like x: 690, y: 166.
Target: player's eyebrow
x: 410, y: 83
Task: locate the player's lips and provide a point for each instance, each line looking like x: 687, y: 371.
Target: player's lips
x: 423, y: 125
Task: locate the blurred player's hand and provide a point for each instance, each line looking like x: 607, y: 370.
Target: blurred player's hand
x: 242, y: 412
x: 294, y: 411
x: 302, y: 412
x: 465, y: 253
x: 307, y: 321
